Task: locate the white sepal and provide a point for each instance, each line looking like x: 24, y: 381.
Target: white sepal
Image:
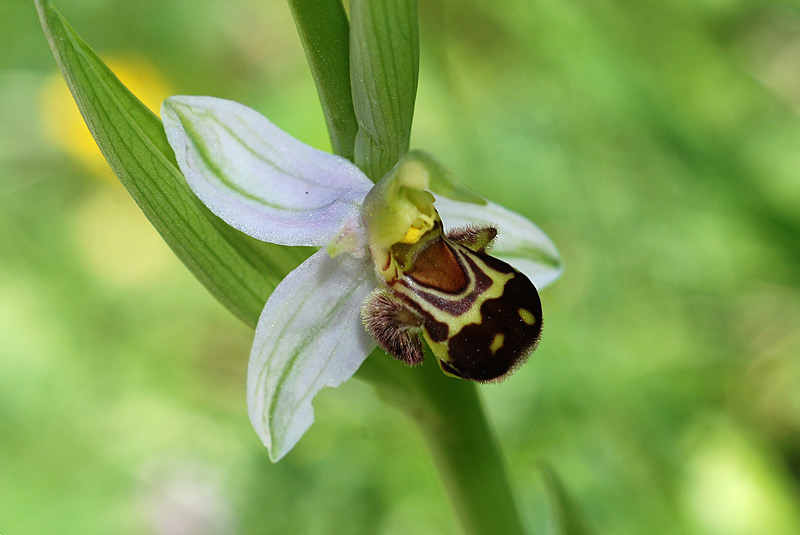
x: 258, y: 178
x: 309, y: 336
x: 519, y: 242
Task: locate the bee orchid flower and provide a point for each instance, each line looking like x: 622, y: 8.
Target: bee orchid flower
x: 414, y: 257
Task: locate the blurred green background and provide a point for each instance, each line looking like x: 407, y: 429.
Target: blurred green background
x: 657, y: 143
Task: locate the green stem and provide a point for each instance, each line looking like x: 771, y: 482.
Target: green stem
x: 450, y: 416
x: 325, y: 34
x: 383, y: 67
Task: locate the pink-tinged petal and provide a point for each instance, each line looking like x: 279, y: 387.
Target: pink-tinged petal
x: 258, y: 178
x: 519, y: 242
x: 309, y: 336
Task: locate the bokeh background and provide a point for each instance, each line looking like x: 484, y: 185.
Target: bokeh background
x: 658, y: 143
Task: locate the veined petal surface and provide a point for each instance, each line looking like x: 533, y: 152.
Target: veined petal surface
x: 309, y: 336
x: 519, y: 242
x: 258, y: 178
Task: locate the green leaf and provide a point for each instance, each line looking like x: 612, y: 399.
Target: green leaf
x: 565, y: 517
x: 239, y: 271
x: 384, y: 67
x: 324, y: 32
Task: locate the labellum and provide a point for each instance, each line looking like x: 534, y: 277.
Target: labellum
x: 480, y: 317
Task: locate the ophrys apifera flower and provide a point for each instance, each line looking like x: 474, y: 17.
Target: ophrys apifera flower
x: 405, y: 258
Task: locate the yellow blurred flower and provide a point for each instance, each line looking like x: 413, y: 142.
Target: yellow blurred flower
x: 108, y: 213
x: 62, y: 122
x: 116, y: 242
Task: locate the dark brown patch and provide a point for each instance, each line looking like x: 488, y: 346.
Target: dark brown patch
x: 437, y: 330
x: 456, y: 307
x: 499, y: 265
x: 470, y: 349
x: 437, y: 266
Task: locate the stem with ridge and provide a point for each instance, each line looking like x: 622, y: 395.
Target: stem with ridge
x: 448, y: 411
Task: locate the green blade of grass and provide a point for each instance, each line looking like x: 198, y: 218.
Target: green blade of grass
x: 565, y: 516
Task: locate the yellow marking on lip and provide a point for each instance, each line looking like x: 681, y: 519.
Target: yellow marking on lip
x: 497, y: 342
x: 527, y: 316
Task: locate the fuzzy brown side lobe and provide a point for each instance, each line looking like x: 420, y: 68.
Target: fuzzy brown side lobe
x: 476, y: 238
x: 394, y: 327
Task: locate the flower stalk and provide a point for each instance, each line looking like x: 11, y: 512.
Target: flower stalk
x: 450, y: 415
x: 448, y: 412
x: 325, y: 34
